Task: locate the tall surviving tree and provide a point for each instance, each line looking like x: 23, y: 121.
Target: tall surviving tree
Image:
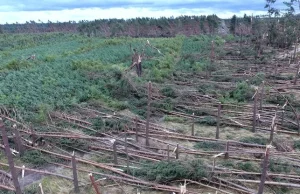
x: 283, y: 31
x: 233, y: 23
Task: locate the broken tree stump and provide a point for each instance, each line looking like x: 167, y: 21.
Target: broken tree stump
x: 148, y: 112
x: 218, y: 122
x: 297, y: 73
x: 262, y: 95
x: 33, y: 136
x: 273, y: 127
x: 226, y: 150
x: 10, y: 158
x: 177, y: 151
x: 41, y: 188
x: 75, y: 178
x: 18, y: 141
x: 115, y: 152
x: 193, y: 124
x: 254, y: 112
x: 94, y: 183
x: 136, y: 129
x: 264, y: 171
x: 168, y: 152
x: 127, y: 157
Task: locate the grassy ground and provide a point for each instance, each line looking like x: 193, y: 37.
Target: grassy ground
x: 71, y: 70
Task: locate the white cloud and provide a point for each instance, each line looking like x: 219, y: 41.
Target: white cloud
x: 98, y: 13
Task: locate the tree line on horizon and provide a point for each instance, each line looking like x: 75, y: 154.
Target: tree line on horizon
x: 279, y: 27
x: 137, y: 27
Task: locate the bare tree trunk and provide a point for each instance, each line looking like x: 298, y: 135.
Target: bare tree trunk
x: 193, y: 125
x: 177, y: 151
x: 226, y: 150
x: 75, y: 178
x: 254, y: 113
x: 127, y: 157
x: 115, y: 152
x: 136, y: 129
x: 297, y: 73
x: 10, y: 159
x: 264, y: 172
x: 262, y: 95
x: 94, y: 184
x: 18, y: 142
x: 168, y: 152
x: 218, y: 122
x: 273, y: 126
x: 148, y: 112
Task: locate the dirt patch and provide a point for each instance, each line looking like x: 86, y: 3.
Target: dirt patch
x: 32, y: 177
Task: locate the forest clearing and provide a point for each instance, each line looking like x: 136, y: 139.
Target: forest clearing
x: 214, y: 112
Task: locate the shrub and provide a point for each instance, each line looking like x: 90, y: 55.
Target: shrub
x: 32, y: 189
x: 89, y: 65
x: 279, y: 166
x: 209, y: 145
x: 281, y: 77
x: 34, y: 157
x: 297, y: 144
x: 118, y: 105
x: 49, y: 58
x: 42, y: 113
x: 6, y: 192
x: 204, y: 88
x: 208, y: 120
x: 73, y: 143
x: 115, y: 124
x: 199, y: 112
x: 174, y: 119
x: 168, y: 104
x: 227, y: 78
x: 278, y: 99
x: 229, y: 38
x: 247, y: 166
x: 98, y: 124
x: 17, y: 65
x: 243, y: 92
x: 255, y: 140
x: 169, y: 92
x: 258, y: 78
x: 228, y: 163
x: 165, y: 172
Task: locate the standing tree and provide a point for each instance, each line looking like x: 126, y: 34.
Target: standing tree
x: 233, y: 23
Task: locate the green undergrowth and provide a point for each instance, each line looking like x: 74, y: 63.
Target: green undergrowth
x: 8, y: 192
x: 255, y: 140
x: 248, y: 166
x: 209, y: 145
x: 174, y: 119
x: 166, y: 172
x: 297, y: 144
x: 37, y: 159
x: 207, y: 120
x: 76, y: 69
x: 104, y: 125
x: 280, y: 166
x: 34, y: 157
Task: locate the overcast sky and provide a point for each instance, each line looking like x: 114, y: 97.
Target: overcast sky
x: 20, y: 11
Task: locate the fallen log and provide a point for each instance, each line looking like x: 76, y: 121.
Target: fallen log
x: 137, y: 181
x: 39, y: 171
x: 130, y: 154
x: 236, y: 185
x: 84, y: 161
x: 269, y: 183
x: 7, y: 188
x: 204, y: 185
